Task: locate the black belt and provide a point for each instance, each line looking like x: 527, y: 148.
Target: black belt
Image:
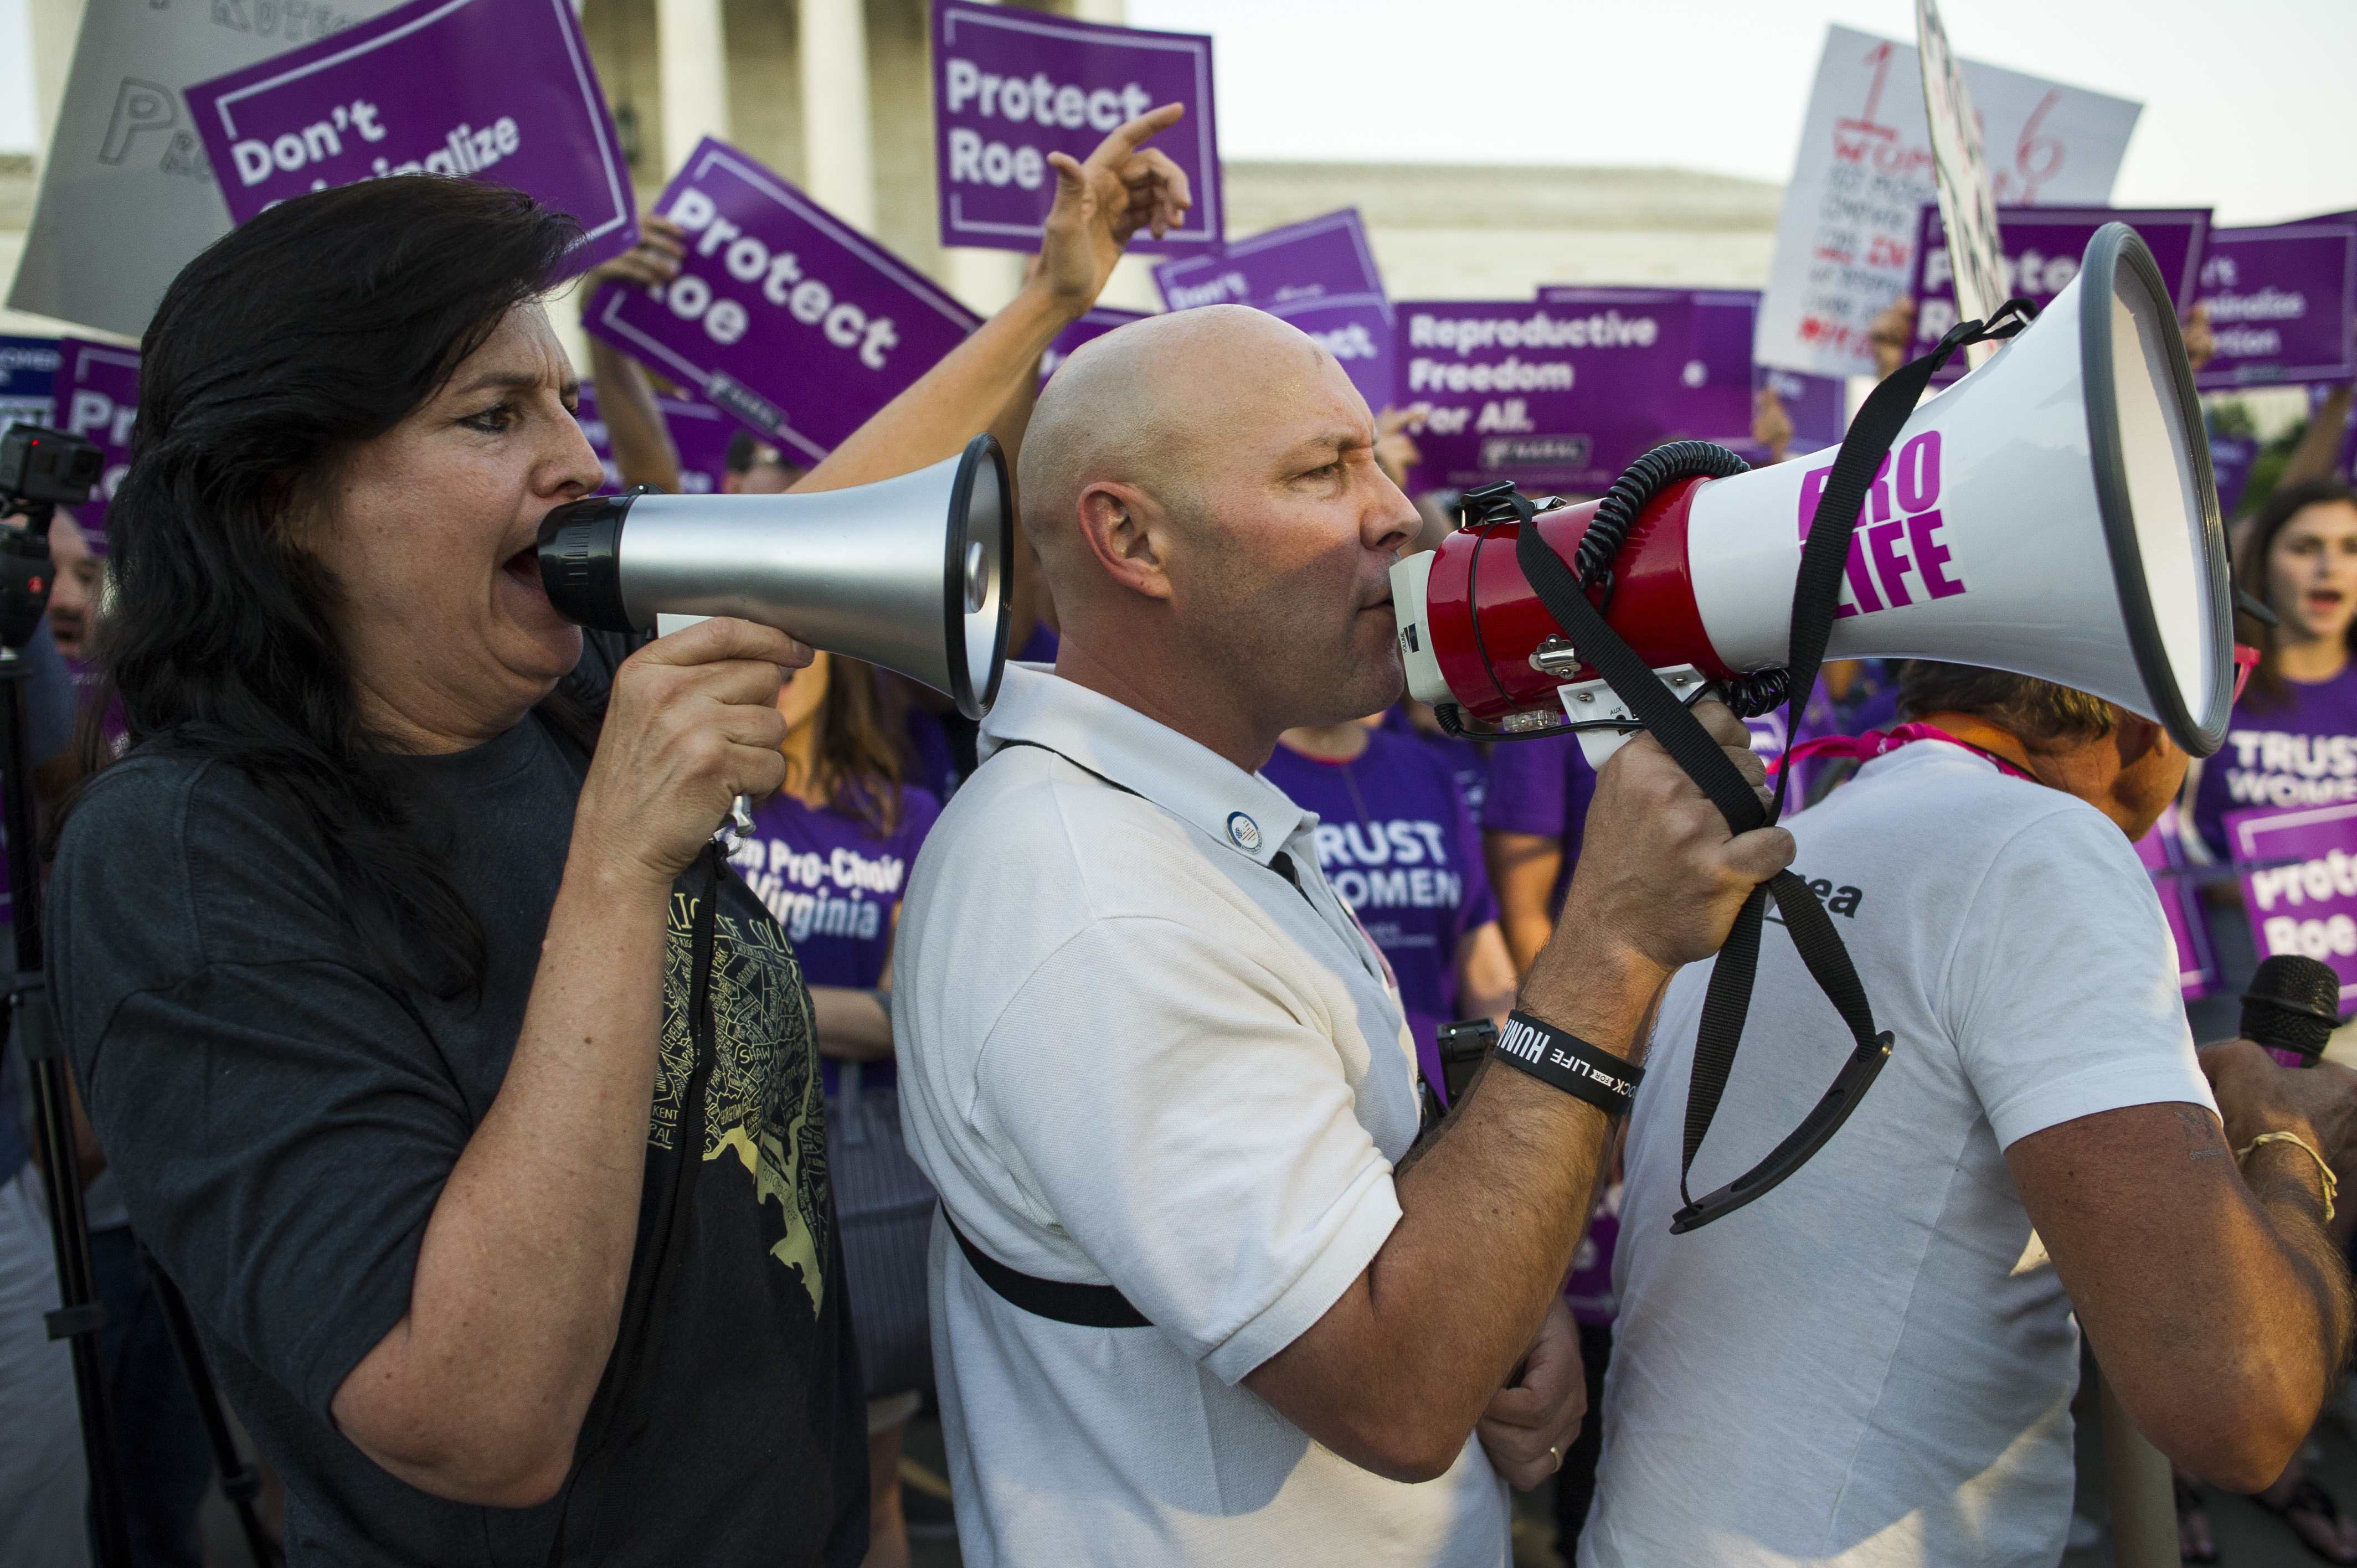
x: 1088, y: 1306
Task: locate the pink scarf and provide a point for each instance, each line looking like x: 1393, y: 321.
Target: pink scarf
x: 1866, y: 747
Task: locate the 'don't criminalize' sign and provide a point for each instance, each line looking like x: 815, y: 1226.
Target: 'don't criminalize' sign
x: 497, y: 90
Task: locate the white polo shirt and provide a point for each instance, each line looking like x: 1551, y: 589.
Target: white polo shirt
x: 1131, y: 1052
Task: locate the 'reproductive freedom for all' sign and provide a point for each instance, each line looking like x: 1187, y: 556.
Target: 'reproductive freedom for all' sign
x: 781, y: 314
x: 1318, y: 274
x: 1010, y: 86
x: 497, y: 89
x: 1559, y: 394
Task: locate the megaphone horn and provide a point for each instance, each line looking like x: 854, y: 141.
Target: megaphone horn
x: 2052, y: 514
x: 909, y: 574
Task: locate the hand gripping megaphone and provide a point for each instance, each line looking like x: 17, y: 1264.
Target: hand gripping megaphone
x: 2052, y: 514
x: 908, y: 574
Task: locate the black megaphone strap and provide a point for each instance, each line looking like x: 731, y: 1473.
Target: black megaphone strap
x: 1815, y: 598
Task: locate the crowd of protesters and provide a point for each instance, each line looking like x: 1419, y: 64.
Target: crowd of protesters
x: 548, y: 1187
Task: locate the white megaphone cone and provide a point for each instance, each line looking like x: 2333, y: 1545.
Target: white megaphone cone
x: 907, y: 573
x: 2052, y: 514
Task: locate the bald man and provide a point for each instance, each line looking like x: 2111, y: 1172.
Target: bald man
x: 1194, y: 1300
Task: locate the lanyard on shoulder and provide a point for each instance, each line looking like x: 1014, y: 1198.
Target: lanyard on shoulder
x: 1866, y: 747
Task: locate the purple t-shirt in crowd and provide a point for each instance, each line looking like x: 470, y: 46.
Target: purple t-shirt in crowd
x: 1542, y: 787
x: 2300, y: 749
x: 1870, y: 703
x: 1398, y: 845
x: 832, y: 882
x: 1464, y: 758
x: 936, y: 760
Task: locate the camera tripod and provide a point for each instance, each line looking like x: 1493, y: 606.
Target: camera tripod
x: 40, y: 469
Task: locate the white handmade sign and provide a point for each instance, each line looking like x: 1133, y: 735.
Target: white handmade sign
x: 1847, y: 237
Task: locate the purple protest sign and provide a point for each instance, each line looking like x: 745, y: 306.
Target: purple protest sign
x: 1089, y: 327
x: 1011, y: 86
x: 699, y: 434
x: 2299, y: 882
x: 2163, y: 853
x: 2230, y: 458
x: 1318, y: 274
x: 1322, y: 258
x: 1556, y: 394
x: 97, y: 395
x: 1357, y: 329
x: 1717, y: 379
x: 28, y: 374
x: 781, y: 314
x: 2042, y: 248
x: 2280, y: 303
x: 1817, y: 406
x: 502, y: 89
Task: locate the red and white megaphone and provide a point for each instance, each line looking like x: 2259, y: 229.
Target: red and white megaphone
x: 2052, y: 514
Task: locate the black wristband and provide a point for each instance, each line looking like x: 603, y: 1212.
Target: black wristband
x: 1569, y: 1063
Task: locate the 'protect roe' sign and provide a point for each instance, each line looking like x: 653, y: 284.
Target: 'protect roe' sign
x: 781, y: 314
x: 1011, y: 86
x: 2299, y: 882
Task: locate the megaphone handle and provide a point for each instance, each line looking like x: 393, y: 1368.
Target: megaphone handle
x: 740, y: 825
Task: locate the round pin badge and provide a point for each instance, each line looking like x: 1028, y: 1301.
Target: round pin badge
x: 1243, y: 830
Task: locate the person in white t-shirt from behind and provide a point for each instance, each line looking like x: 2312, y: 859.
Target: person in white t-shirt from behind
x: 1875, y: 1363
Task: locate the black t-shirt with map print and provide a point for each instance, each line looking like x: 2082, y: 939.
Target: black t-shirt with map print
x: 283, y: 1116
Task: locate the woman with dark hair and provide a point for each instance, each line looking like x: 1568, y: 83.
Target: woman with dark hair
x: 2293, y: 738
x: 2291, y: 741
x: 470, y: 1101
x: 830, y: 854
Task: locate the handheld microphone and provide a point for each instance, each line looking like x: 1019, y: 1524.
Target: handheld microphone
x: 2292, y: 1008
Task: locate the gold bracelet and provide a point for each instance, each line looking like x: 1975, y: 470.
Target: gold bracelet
x: 2331, y: 1183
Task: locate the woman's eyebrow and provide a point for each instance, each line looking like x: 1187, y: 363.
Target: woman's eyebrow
x: 516, y: 380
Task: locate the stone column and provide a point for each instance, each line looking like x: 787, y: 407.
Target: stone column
x: 693, y: 70
x: 838, y: 148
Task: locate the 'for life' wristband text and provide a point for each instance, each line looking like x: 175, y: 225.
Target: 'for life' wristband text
x: 1569, y: 1063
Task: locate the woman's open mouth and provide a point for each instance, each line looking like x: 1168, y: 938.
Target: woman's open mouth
x: 524, y: 567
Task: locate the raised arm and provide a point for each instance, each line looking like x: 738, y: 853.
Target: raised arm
x: 1523, y: 869
x: 1395, y: 1374
x: 634, y: 425
x: 2215, y: 1300
x: 2320, y: 446
x: 1124, y: 187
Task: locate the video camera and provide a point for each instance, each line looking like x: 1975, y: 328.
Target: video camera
x: 40, y: 470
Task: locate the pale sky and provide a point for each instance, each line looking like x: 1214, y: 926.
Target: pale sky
x: 2248, y: 105
x: 15, y: 78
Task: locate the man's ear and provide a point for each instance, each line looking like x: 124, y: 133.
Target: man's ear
x: 1126, y: 533
x: 2134, y: 737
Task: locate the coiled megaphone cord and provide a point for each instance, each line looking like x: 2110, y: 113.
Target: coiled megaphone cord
x: 1761, y: 692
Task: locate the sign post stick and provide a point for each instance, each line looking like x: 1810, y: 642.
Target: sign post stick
x: 2136, y: 1478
